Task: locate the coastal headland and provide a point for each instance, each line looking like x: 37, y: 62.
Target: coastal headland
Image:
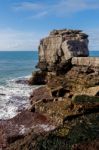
x: 64, y: 110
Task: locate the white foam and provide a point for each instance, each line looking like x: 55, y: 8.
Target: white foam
x: 19, y: 78
x: 13, y: 97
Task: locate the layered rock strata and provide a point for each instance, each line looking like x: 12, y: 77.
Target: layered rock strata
x: 60, y: 46
x: 64, y: 111
x: 86, y: 61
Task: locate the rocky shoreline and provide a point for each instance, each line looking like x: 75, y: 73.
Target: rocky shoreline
x: 64, y: 110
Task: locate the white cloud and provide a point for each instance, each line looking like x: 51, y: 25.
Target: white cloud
x: 39, y: 15
x: 18, y: 40
x: 57, y: 8
x: 27, y: 6
x: 66, y: 7
x: 93, y: 39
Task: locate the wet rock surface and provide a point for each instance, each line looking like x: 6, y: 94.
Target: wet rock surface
x: 81, y: 130
x: 74, y: 108
x: 64, y: 114
x: 20, y: 81
x: 18, y: 127
x: 64, y: 110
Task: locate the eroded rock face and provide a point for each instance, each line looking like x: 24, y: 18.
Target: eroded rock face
x: 38, y: 78
x: 60, y: 46
x: 41, y: 94
x: 64, y: 111
x: 86, y: 61
x: 18, y: 127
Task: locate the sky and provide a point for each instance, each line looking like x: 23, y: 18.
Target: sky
x: 24, y: 22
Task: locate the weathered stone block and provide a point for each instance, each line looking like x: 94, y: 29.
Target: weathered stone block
x: 60, y: 46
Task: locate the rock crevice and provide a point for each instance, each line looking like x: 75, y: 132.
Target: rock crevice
x: 60, y: 46
x: 64, y: 112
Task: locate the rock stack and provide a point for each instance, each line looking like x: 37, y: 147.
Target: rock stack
x: 64, y: 111
x: 60, y: 46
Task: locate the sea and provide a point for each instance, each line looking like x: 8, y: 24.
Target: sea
x: 15, y: 66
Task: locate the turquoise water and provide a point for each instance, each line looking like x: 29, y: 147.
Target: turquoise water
x: 18, y: 64
x: 14, y: 66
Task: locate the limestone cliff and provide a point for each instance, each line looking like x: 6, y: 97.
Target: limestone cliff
x: 60, y: 46
x: 86, y: 61
x: 63, y: 113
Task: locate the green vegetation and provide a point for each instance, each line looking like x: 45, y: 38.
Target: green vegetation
x: 85, y: 99
x: 80, y: 130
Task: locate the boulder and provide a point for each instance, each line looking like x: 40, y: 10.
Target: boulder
x: 38, y: 78
x: 41, y: 94
x: 24, y: 123
x: 93, y: 91
x: 60, y: 46
x: 86, y: 61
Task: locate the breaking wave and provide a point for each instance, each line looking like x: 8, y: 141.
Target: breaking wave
x: 14, y: 97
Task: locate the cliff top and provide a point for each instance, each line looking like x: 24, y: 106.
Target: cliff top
x: 60, y: 46
x: 68, y: 33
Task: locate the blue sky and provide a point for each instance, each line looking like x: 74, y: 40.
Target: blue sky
x: 24, y: 22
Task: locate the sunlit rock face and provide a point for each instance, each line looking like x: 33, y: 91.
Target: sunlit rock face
x: 60, y: 46
x: 86, y: 61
